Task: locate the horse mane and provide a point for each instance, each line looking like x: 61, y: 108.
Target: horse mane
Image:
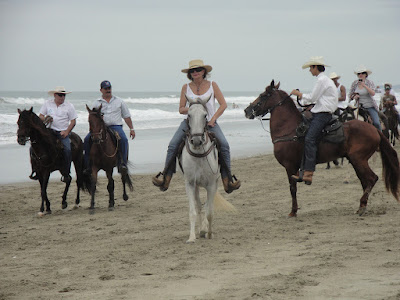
x: 284, y: 95
x: 37, y: 125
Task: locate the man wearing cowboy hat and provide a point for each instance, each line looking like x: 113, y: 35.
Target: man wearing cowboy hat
x: 342, y: 104
x: 388, y: 99
x: 61, y: 116
x: 325, y: 97
x: 114, y: 109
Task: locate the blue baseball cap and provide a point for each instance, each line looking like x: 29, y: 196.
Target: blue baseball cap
x: 105, y: 84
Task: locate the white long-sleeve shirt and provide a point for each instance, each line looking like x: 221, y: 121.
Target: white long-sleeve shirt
x: 324, y: 95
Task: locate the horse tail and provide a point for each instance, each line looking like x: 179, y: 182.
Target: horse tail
x: 390, y: 166
x: 220, y: 204
x: 127, y: 177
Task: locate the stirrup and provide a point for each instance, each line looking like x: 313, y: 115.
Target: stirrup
x: 157, y: 182
x: 34, y: 176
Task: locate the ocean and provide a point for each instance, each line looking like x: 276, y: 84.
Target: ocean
x: 155, y: 117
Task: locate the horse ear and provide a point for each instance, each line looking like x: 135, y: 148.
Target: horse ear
x: 19, y: 111
x: 272, y: 85
x: 205, y: 100
x: 277, y: 86
x: 88, y: 109
x: 31, y: 110
x: 101, y: 105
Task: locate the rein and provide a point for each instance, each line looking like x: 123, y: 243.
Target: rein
x: 204, y: 154
x: 101, y: 140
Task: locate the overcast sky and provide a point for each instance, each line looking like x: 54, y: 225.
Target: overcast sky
x: 143, y: 45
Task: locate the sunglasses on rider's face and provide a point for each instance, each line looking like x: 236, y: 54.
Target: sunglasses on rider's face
x: 364, y: 73
x: 199, y: 69
x: 60, y: 95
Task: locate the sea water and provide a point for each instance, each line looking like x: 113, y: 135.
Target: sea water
x: 155, y: 117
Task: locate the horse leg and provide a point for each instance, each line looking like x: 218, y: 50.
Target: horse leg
x: 64, y: 203
x: 209, y: 211
x: 367, y: 178
x: 293, y: 192
x: 79, y: 180
x: 93, y: 189
x: 191, y: 193
x: 44, y: 181
x: 110, y: 189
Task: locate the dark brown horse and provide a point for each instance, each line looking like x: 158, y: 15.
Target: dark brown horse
x: 47, y: 155
x: 104, y: 156
x: 393, y: 121
x: 362, y: 140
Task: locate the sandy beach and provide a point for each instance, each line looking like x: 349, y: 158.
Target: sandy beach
x: 138, y: 251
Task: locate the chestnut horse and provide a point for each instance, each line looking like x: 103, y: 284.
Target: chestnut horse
x: 362, y: 140
x: 104, y: 156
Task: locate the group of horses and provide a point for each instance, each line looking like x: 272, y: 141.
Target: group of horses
x: 47, y: 156
x: 199, y: 159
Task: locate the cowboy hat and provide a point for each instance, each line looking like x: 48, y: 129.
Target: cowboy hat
x: 388, y: 86
x: 333, y: 75
x: 59, y: 90
x: 197, y: 63
x: 361, y: 69
x: 315, y: 61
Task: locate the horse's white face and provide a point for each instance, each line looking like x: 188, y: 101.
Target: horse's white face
x: 197, y: 121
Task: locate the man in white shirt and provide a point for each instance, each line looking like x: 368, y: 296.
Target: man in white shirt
x: 114, y: 110
x: 325, y: 97
x: 61, y: 116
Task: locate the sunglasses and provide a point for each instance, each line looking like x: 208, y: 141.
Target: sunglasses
x: 199, y: 69
x: 364, y: 73
x: 60, y: 95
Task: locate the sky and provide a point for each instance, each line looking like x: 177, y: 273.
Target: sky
x: 142, y: 45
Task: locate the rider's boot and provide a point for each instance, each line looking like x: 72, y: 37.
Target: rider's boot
x: 230, y: 185
x: 163, y: 183
x: 307, y: 177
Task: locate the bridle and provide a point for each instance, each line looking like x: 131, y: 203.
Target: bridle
x: 263, y: 99
x: 101, y: 136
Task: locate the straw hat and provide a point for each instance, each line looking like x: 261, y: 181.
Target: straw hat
x: 388, y: 86
x: 315, y: 61
x: 59, y: 90
x: 197, y: 63
x: 361, y: 69
x: 333, y: 75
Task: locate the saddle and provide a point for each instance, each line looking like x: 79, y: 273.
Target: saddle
x: 332, y: 132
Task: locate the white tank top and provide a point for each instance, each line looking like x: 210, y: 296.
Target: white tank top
x: 210, y: 104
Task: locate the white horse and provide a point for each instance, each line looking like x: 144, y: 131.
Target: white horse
x: 200, y: 168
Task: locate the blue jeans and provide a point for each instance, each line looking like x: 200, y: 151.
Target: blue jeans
x: 313, y: 135
x: 67, y: 152
x: 375, y: 117
x: 179, y: 136
x: 123, y: 144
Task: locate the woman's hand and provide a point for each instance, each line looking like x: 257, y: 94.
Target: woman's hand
x: 211, y: 123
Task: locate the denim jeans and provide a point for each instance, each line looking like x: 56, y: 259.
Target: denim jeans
x: 67, y: 152
x: 180, y: 135
x: 123, y: 144
x: 375, y: 117
x: 312, y: 138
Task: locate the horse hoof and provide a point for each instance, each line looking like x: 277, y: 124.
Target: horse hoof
x: 292, y: 215
x: 76, y: 206
x: 361, y: 210
x: 111, y: 208
x: 91, y: 211
x: 64, y: 205
x: 190, y: 241
x: 40, y: 214
x: 203, y: 234
x: 125, y: 197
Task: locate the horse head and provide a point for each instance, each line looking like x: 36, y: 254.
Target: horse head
x: 96, y: 124
x: 25, y: 122
x: 265, y: 102
x: 197, y: 120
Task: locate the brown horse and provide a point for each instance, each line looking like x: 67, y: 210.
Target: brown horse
x: 393, y: 121
x: 47, y: 155
x: 104, y: 156
x: 361, y: 141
